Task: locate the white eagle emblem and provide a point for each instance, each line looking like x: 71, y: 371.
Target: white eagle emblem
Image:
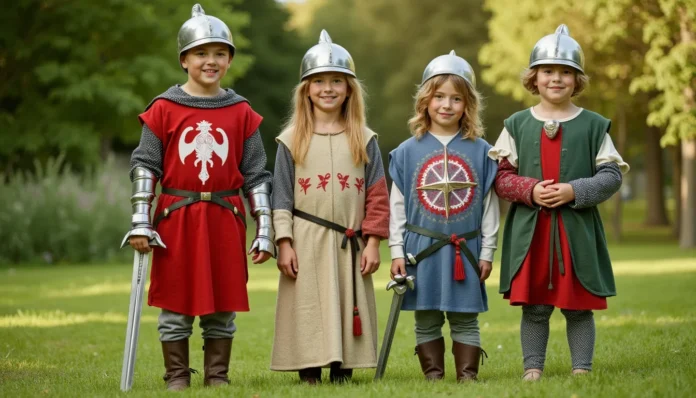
x: 205, y: 145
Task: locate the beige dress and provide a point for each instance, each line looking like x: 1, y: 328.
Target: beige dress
x: 314, y: 316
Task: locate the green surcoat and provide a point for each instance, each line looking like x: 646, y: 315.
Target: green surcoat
x: 581, y: 140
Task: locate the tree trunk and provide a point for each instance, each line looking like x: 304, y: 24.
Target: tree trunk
x: 687, y: 237
x: 656, y: 213
x: 676, y: 187
x: 617, y: 218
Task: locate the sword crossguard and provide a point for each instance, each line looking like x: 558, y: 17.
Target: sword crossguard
x: 401, y: 283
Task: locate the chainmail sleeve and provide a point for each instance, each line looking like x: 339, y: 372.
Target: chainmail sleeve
x: 284, y: 180
x: 149, y: 153
x: 253, y: 165
x: 597, y: 189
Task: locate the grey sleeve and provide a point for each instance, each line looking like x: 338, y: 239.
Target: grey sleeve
x: 374, y: 170
x: 597, y: 189
x: 149, y: 153
x: 283, y: 197
x: 253, y: 165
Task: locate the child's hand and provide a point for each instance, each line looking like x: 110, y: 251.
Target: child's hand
x: 558, y: 194
x: 486, y: 267
x: 398, y: 267
x: 140, y: 243
x: 287, y: 259
x: 369, y: 261
x: 260, y: 256
x: 539, y: 190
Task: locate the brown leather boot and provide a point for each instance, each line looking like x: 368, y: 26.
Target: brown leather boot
x: 466, y: 361
x: 432, y: 358
x: 176, y: 364
x: 310, y: 375
x: 216, y: 361
x: 338, y: 375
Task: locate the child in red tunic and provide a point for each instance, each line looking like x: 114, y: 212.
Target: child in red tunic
x: 203, y: 144
x: 550, y: 270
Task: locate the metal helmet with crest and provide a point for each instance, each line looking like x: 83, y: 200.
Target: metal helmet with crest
x: 326, y: 56
x: 203, y: 29
x: 450, y: 64
x: 558, y: 48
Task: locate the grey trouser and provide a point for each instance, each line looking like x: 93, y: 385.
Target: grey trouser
x: 173, y: 326
x: 463, y: 327
x: 534, y: 333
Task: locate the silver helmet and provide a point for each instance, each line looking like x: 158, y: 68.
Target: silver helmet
x: 326, y: 57
x: 558, y: 48
x: 203, y: 29
x: 450, y: 64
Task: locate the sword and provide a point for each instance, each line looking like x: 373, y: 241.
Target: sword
x: 400, y: 284
x: 140, y: 266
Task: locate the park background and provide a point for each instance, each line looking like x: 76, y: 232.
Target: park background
x: 75, y: 74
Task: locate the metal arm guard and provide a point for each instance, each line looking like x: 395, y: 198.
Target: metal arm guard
x: 143, y: 193
x: 260, y: 203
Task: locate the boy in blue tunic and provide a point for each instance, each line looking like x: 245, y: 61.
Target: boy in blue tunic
x: 444, y: 216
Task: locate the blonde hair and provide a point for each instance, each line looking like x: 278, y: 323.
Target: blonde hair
x: 301, y: 121
x: 529, y: 77
x: 470, y: 123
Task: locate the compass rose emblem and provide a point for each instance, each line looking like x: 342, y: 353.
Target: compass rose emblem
x: 446, y: 185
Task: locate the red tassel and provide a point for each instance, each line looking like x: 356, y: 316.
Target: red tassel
x: 459, y: 274
x: 357, y: 323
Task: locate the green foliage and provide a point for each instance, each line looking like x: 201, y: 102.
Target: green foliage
x: 74, y: 75
x: 277, y: 52
x: 670, y: 68
x: 53, y: 215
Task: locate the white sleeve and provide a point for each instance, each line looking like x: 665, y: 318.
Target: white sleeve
x: 489, y: 226
x: 504, y: 148
x: 608, y: 153
x: 397, y: 223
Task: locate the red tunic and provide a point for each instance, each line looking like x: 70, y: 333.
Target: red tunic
x: 531, y: 284
x: 204, y: 268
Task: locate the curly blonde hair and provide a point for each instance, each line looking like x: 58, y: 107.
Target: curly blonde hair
x: 529, y: 77
x: 470, y: 123
x: 301, y: 121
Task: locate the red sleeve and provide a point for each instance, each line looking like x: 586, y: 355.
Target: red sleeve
x: 152, y: 117
x: 252, y: 122
x: 512, y: 187
x: 376, y: 222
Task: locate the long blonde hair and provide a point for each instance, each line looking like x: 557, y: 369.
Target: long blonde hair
x: 470, y: 123
x: 301, y: 121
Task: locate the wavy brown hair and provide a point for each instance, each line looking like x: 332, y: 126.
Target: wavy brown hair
x: 529, y: 77
x: 470, y: 123
x: 301, y: 121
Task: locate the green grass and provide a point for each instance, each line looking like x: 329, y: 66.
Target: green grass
x: 62, y: 330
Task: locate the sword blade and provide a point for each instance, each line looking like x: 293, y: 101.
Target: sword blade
x: 140, y: 265
x: 389, y: 334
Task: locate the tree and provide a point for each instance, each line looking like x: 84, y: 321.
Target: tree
x: 277, y: 51
x: 670, y: 69
x: 75, y: 74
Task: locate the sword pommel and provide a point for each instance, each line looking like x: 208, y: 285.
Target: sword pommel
x: 401, y: 283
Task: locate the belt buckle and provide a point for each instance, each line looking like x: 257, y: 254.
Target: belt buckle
x: 206, y: 196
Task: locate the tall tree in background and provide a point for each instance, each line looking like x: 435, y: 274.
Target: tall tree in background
x: 277, y: 51
x: 74, y: 75
x: 609, y: 32
x: 670, y: 69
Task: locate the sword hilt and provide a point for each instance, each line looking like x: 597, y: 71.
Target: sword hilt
x: 401, y: 283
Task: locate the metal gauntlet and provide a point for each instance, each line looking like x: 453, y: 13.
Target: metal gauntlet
x: 260, y: 203
x: 143, y: 193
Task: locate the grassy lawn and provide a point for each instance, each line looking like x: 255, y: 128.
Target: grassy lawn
x: 62, y: 330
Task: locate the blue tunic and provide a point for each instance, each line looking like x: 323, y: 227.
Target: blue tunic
x: 420, y: 162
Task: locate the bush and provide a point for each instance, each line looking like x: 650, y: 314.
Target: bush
x: 54, y: 215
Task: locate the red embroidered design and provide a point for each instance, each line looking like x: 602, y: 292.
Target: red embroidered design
x: 512, y: 187
x: 323, y: 181
x: 458, y: 171
x: 360, y: 183
x: 343, y: 179
x: 304, y: 183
